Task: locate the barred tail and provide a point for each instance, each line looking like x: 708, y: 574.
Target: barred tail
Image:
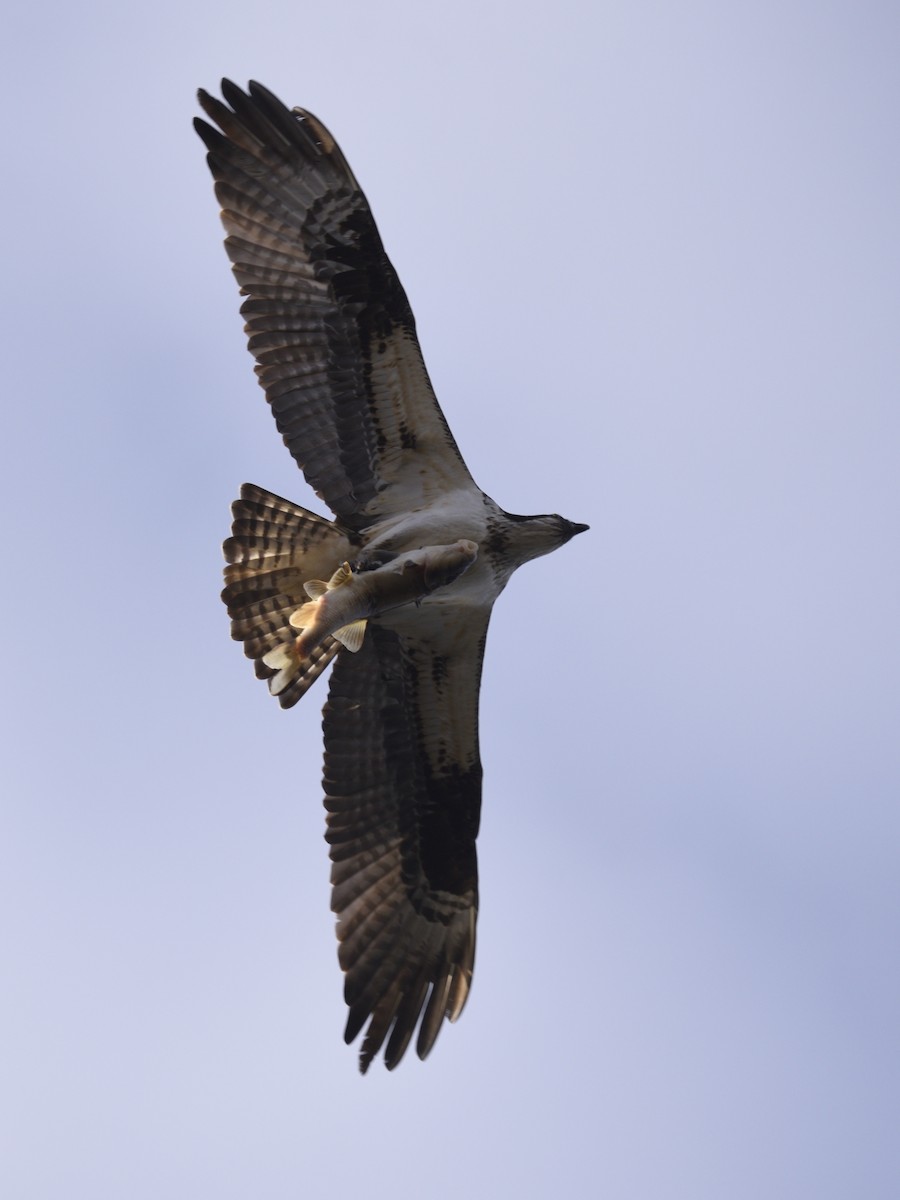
x: 275, y: 548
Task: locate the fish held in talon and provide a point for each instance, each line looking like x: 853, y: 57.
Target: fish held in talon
x: 341, y: 607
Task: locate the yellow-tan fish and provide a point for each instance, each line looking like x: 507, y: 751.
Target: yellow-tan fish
x: 341, y: 607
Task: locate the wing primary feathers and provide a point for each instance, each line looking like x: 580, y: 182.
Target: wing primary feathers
x: 435, y: 1011
x: 295, y: 126
x: 405, y: 1023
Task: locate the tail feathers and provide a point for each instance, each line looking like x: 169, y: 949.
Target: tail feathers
x: 269, y: 533
x: 291, y: 677
x: 276, y: 548
x: 295, y: 671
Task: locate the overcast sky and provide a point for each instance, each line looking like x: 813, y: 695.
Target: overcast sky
x: 653, y: 253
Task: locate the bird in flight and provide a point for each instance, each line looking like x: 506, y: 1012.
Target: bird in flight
x: 397, y: 589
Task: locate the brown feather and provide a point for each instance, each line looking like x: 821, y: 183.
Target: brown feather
x: 275, y: 548
x: 306, y: 251
x: 406, y: 919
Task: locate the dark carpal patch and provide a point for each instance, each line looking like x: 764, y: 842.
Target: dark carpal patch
x: 447, y: 821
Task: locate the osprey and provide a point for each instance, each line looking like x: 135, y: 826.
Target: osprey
x: 336, y: 352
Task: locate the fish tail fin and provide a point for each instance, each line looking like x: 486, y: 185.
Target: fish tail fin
x: 285, y: 662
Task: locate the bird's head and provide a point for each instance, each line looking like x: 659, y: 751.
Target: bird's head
x: 530, y: 537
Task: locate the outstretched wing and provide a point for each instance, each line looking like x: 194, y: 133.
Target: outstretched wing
x: 403, y: 793
x: 327, y: 318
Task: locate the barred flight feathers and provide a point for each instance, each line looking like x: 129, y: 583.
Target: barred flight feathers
x: 404, y: 871
x: 327, y: 318
x: 274, y: 549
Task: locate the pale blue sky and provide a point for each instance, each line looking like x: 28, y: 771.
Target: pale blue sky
x: 653, y: 253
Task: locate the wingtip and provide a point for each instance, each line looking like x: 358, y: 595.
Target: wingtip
x: 365, y: 1061
x: 259, y: 91
x: 231, y: 91
x: 211, y: 138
